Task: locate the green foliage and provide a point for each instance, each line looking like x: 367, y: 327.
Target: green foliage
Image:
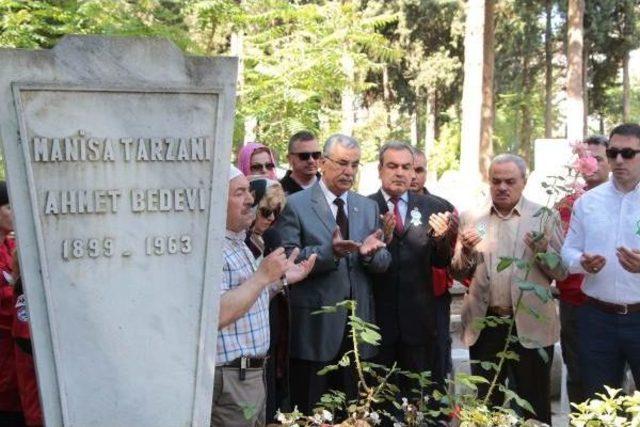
x: 611, y: 408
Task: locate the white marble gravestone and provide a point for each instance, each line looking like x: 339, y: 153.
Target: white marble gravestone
x: 116, y: 151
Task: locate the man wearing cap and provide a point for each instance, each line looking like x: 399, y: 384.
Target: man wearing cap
x: 239, y: 395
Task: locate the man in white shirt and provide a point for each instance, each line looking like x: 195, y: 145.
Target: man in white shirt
x: 603, y: 243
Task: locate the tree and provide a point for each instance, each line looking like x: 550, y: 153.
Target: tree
x: 472, y: 89
x: 486, y: 129
x: 548, y: 70
x: 575, y: 101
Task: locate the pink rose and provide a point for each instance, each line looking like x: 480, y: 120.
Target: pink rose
x: 579, y: 148
x: 586, y: 165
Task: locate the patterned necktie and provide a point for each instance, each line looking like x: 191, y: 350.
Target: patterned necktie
x: 396, y: 214
x: 341, y: 218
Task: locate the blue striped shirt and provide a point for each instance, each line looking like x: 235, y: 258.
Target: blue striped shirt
x: 249, y: 335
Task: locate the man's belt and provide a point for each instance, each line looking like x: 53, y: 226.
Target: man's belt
x: 246, y: 362
x: 495, y: 310
x: 612, y: 308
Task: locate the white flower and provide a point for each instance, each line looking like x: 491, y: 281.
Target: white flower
x: 327, y: 415
x: 398, y: 425
x: 375, y: 418
x: 405, y: 402
x: 280, y: 416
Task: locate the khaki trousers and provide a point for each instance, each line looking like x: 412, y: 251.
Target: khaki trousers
x: 238, y: 403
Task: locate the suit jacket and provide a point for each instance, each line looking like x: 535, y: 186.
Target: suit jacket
x: 403, y: 295
x: 536, y: 322
x: 308, y: 223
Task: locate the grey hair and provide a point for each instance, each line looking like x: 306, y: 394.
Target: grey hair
x: 340, y: 139
x: 394, y: 145
x: 417, y: 152
x: 510, y: 158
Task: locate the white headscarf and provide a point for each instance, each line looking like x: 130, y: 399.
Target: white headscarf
x: 234, y: 172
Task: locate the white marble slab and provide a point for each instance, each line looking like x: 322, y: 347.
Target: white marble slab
x: 117, y: 158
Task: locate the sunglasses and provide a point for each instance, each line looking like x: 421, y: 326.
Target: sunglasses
x: 266, y: 212
x: 626, y: 153
x: 257, y: 167
x: 306, y: 156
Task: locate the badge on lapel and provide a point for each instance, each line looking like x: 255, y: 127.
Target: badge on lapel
x: 416, y: 217
x: 638, y: 228
x: 481, y: 228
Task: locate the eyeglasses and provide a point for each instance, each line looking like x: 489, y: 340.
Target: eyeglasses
x: 345, y: 164
x: 626, y: 153
x: 266, y: 212
x: 258, y: 167
x: 306, y: 156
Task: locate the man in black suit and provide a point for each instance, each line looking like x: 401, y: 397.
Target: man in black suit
x: 418, y: 232
x: 343, y: 229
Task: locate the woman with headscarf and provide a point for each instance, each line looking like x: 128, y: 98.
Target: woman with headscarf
x: 269, y: 199
x: 257, y: 159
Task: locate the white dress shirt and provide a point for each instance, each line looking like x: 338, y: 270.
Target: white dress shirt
x: 603, y: 219
x: 331, y: 197
x: 403, y: 204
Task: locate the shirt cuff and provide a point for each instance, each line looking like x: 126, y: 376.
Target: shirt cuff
x: 575, y: 266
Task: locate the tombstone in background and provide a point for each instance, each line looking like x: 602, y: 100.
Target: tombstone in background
x: 117, y: 153
x: 551, y: 159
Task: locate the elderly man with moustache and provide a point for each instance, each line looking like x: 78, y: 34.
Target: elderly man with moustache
x: 419, y: 238
x: 343, y: 229
x: 505, y: 228
x: 243, y: 325
x: 603, y: 244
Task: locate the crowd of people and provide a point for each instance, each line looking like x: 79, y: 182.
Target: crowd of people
x: 309, y: 241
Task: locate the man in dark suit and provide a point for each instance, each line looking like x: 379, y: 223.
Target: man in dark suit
x: 343, y: 229
x: 418, y: 232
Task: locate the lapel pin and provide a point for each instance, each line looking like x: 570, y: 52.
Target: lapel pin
x: 355, y: 209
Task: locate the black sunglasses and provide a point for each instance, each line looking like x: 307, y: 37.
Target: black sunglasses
x: 266, y: 212
x: 306, y: 156
x: 626, y: 153
x: 257, y: 167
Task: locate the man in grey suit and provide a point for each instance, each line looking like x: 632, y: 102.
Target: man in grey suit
x: 343, y: 229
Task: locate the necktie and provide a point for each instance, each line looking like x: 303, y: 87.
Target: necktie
x: 341, y: 218
x: 396, y: 214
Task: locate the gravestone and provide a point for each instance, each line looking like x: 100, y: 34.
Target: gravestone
x: 116, y: 152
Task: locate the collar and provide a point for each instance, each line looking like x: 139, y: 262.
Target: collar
x: 289, y: 176
x: 516, y: 210
x: 236, y: 236
x: 329, y: 195
x: 614, y: 186
x: 404, y: 197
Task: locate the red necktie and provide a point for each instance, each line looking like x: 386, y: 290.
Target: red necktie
x: 396, y: 214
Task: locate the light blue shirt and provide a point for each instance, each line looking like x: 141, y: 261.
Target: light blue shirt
x: 331, y: 197
x: 603, y: 219
x: 403, y: 204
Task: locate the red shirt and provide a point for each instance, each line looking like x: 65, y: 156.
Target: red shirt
x: 570, y: 288
x: 9, y: 398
